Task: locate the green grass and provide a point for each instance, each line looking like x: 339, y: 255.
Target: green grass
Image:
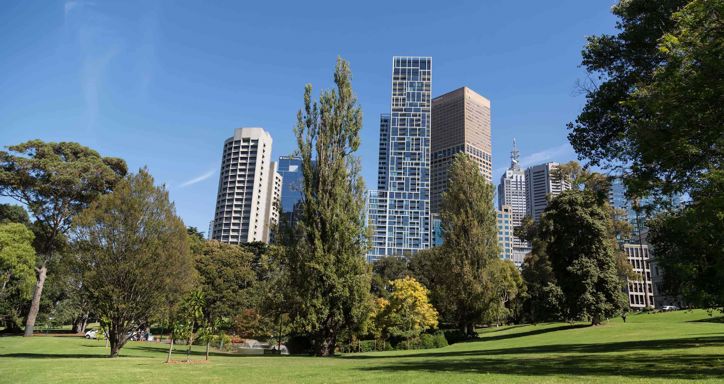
x: 680, y: 346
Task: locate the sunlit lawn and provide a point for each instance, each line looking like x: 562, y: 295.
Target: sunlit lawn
x: 664, y: 347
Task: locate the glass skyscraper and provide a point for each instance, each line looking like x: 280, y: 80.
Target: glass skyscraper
x: 400, y: 210
x: 290, y: 167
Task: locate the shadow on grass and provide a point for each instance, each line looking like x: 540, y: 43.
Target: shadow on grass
x: 668, y: 366
x: 718, y: 319
x: 60, y: 356
x: 624, y: 346
x: 530, y: 333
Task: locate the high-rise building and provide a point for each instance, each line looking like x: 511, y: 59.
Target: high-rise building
x: 460, y: 123
x: 401, y: 224
x: 512, y: 192
x: 641, y: 289
x: 382, y: 158
x: 290, y: 168
x: 248, y: 187
x: 505, y: 233
x: 542, y: 182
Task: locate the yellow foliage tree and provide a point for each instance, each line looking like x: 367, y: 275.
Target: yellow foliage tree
x: 407, y: 312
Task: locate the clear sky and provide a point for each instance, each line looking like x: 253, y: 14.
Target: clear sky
x: 163, y: 84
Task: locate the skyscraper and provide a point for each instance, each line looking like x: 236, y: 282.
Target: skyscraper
x: 460, y: 123
x: 541, y: 181
x: 505, y: 233
x: 401, y: 216
x: 248, y: 187
x: 290, y: 168
x: 512, y: 192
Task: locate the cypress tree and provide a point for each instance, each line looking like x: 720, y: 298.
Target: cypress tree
x: 327, y: 270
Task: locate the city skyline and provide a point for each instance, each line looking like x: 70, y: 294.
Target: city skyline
x: 140, y: 86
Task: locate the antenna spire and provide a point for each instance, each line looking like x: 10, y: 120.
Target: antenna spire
x: 515, y: 157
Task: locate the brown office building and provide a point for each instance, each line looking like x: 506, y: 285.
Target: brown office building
x: 460, y: 123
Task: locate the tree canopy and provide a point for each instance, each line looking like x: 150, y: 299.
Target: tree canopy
x: 54, y: 181
x: 575, y: 229
x: 136, y: 255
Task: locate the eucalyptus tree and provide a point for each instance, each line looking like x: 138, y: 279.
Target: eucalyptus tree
x: 55, y: 181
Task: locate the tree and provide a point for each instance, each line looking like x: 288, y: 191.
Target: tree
x: 54, y: 181
x: 607, y: 132
x: 385, y: 270
x: 543, y: 296
x: 17, y: 275
x: 136, y: 255
x: 657, y: 115
x: 192, y: 313
x: 509, y: 287
x: 407, y: 312
x: 690, y: 249
x: 225, y: 278
x: 578, y: 240
x: 466, y: 260
x: 10, y: 213
x: 327, y: 268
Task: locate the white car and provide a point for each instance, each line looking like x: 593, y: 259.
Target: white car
x: 91, y: 334
x: 667, y: 308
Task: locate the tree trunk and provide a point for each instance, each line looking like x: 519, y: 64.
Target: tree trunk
x: 595, y: 320
x: 117, y: 338
x: 188, y: 349
x: 170, y: 350
x: 76, y: 325
x: 84, y: 323
x: 35, y: 304
x: 79, y: 323
x: 325, y: 343
x: 207, y: 349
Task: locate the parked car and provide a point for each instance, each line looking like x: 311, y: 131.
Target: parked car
x: 91, y: 334
x: 667, y: 308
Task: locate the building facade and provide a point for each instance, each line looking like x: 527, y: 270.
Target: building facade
x: 541, y: 182
x: 290, y: 168
x: 512, y: 192
x: 403, y: 203
x: 640, y: 291
x: 505, y: 233
x: 248, y: 185
x: 460, y: 123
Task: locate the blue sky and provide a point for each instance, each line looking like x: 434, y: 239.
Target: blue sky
x: 163, y: 84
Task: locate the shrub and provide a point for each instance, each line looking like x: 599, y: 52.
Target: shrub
x: 427, y: 341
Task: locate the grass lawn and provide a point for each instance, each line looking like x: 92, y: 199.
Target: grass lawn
x: 664, y: 347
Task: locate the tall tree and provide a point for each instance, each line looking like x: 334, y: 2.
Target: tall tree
x: 689, y: 247
x: 136, y: 255
x: 607, y: 132
x: 17, y: 275
x: 682, y: 128
x: 327, y: 267
x: 54, y: 181
x: 467, y: 258
x: 575, y: 229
